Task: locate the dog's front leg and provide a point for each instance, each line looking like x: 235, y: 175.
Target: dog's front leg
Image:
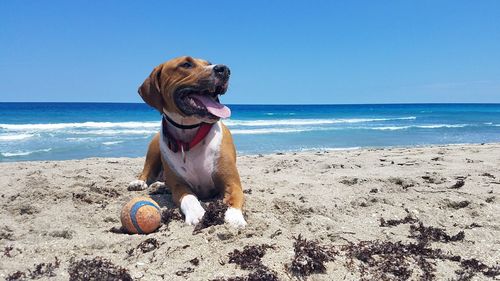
x: 229, y: 179
x: 183, y: 197
x: 152, y: 166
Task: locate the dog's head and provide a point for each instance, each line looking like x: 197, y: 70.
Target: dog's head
x: 189, y: 87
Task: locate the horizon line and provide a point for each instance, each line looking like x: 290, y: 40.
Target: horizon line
x: 388, y: 103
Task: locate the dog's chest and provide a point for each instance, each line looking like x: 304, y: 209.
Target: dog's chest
x: 199, y: 164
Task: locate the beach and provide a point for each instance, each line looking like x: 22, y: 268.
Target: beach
x: 441, y: 200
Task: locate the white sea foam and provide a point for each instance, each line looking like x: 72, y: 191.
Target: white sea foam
x: 431, y: 126
x: 12, y: 137
x: 329, y: 148
x: 435, y: 126
x: 23, y: 153
x: 111, y: 142
x: 269, y: 131
x: 113, y: 132
x: 388, y: 128
x: 83, y: 125
x: 287, y: 122
x: 281, y: 130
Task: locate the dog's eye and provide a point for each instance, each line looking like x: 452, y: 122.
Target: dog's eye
x: 186, y: 65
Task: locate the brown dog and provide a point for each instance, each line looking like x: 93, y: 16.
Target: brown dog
x: 193, y: 149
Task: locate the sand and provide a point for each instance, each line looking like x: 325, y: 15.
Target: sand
x: 65, y: 210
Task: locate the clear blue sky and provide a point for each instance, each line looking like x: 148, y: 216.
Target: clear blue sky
x: 278, y: 51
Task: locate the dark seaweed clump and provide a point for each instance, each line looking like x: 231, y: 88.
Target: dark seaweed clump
x: 471, y: 267
x: 425, y: 234
x: 407, y: 219
x: 384, y: 260
x: 97, y: 269
x: 148, y: 245
x: 7, y: 250
x: 310, y: 257
x: 169, y: 215
x: 40, y: 270
x: 260, y: 274
x: 214, y: 215
x: 458, y: 184
x: 250, y: 257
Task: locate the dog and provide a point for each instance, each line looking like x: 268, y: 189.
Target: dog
x: 193, y: 150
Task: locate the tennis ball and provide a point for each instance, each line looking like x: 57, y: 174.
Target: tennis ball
x: 141, y: 215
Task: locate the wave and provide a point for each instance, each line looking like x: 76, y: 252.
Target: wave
x: 432, y: 126
x: 270, y: 131
x: 111, y: 142
x: 113, y: 132
x: 277, y: 122
x: 273, y: 113
x: 308, y: 129
x: 84, y: 125
x: 436, y: 126
x: 329, y: 148
x: 156, y: 124
x: 388, y: 128
x: 23, y: 153
x: 15, y: 137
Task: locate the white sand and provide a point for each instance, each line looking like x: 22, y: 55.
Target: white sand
x: 65, y: 209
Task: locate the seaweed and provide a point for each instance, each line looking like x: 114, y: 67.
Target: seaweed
x: 148, y: 245
x: 250, y: 257
x: 385, y: 260
x: 471, y: 267
x: 97, y: 268
x: 458, y: 205
x: 214, y: 215
x: 488, y: 175
x: 458, y: 184
x: 310, y: 257
x: 261, y: 274
x: 406, y: 220
x: 18, y: 275
x: 169, y: 215
x: 7, y: 250
x: 184, y: 272
x: 45, y: 269
x: 425, y: 234
x: 195, y: 261
x: 40, y: 270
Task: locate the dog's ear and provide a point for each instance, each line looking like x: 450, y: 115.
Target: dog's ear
x: 150, y: 89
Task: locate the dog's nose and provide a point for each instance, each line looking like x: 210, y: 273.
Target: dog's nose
x: 222, y: 70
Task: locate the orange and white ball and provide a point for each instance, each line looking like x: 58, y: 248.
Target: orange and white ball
x: 141, y: 215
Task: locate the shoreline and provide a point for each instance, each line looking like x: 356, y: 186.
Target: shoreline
x: 291, y: 152
x: 67, y: 209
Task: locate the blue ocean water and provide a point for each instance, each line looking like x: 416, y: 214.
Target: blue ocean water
x: 56, y: 131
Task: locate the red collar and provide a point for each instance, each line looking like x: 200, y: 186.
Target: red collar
x: 175, y: 144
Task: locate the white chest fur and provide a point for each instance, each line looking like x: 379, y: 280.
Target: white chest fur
x: 200, y: 161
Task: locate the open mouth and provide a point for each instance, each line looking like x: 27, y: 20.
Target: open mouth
x: 202, y: 102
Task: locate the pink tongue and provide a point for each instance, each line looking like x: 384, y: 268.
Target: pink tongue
x: 214, y: 107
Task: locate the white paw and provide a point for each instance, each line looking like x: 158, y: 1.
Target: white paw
x: 234, y: 217
x: 192, y: 209
x: 137, y: 185
x: 157, y: 185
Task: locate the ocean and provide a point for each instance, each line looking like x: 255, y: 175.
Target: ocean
x: 59, y: 131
